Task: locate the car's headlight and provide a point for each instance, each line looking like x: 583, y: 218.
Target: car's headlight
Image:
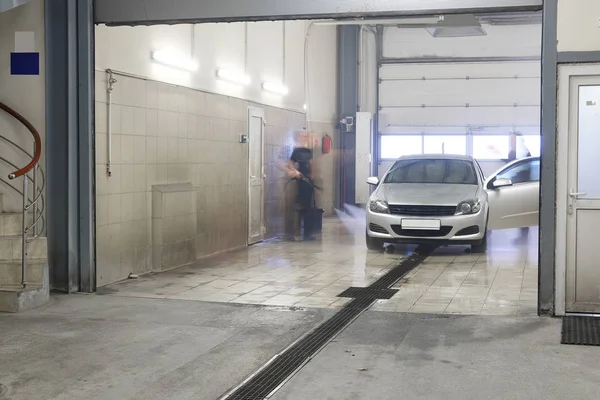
x: 468, y: 207
x: 379, y: 206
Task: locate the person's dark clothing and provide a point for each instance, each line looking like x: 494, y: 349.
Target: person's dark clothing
x: 305, y: 201
x: 302, y: 157
x: 512, y: 156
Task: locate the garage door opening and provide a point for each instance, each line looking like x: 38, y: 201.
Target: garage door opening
x: 471, y: 90
x: 175, y: 104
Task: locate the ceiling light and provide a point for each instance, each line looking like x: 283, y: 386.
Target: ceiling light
x: 233, y: 76
x: 275, y: 88
x: 174, y: 60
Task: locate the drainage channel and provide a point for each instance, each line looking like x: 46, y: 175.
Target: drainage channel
x: 272, y: 376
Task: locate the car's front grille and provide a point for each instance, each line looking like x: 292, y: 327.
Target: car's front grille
x: 422, y: 211
x: 377, y: 229
x: 444, y: 230
x: 472, y: 230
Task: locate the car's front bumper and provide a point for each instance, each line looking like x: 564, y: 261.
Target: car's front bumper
x: 456, y: 229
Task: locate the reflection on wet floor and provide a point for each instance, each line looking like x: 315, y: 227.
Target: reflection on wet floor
x: 312, y: 274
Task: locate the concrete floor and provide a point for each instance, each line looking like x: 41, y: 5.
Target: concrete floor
x: 109, y: 348
x: 187, y: 334
x: 391, y: 356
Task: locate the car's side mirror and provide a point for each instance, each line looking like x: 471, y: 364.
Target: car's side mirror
x: 373, y: 181
x: 501, y: 182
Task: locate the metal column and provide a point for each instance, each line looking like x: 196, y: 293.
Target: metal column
x: 548, y: 161
x: 348, y: 69
x: 69, y: 147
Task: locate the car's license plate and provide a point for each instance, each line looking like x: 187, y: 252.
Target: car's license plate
x: 425, y: 224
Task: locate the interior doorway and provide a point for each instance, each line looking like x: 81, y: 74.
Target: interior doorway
x: 256, y: 175
x: 578, y: 208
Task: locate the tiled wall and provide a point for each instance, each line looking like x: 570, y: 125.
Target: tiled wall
x: 164, y: 134
x: 326, y: 165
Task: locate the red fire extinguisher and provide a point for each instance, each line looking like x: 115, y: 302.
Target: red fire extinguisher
x: 326, y: 144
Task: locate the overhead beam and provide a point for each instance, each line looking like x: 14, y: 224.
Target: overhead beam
x: 456, y: 60
x: 148, y: 12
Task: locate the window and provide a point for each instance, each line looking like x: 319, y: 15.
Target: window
x: 432, y: 171
x: 490, y: 147
x: 533, y: 144
x: 445, y: 144
x: 528, y: 171
x: 396, y: 146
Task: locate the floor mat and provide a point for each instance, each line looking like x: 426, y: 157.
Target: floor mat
x: 581, y: 331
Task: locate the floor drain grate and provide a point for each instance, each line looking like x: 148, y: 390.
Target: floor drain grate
x: 281, y: 368
x: 582, y: 331
x: 368, y: 293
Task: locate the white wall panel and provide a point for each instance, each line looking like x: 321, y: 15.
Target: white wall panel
x: 321, y: 72
x: 504, y: 117
x: 223, y: 45
x: 488, y: 92
x: 500, y: 41
x: 461, y: 70
x: 578, y: 27
x: 431, y: 98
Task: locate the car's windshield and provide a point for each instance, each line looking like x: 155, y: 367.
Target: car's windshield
x: 433, y: 170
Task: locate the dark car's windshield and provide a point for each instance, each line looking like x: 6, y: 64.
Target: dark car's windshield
x: 432, y: 170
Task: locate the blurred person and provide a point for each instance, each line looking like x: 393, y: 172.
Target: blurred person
x: 518, y: 149
x: 300, y: 168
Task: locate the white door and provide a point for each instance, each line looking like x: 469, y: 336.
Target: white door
x: 516, y: 203
x: 583, y: 201
x: 256, y: 186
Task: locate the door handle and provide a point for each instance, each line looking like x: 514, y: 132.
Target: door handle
x: 577, y: 194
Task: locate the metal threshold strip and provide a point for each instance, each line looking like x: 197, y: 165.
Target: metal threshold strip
x: 265, y: 382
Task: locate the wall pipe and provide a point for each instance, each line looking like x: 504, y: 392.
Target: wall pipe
x: 109, y: 89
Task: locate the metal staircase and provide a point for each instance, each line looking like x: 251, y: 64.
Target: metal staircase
x: 23, y: 247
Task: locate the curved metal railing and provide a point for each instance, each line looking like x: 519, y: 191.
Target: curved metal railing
x: 32, y: 173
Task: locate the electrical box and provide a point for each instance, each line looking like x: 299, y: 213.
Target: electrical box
x: 364, y: 156
x: 243, y: 138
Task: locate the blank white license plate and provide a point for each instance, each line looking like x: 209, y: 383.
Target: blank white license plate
x: 424, y: 224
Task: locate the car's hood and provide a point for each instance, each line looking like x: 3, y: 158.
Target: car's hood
x: 425, y: 193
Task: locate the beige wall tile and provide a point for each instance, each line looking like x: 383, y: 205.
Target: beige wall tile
x: 178, y: 135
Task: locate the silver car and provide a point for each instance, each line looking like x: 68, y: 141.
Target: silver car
x: 445, y: 199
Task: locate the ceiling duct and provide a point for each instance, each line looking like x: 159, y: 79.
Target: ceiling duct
x: 457, y: 26
x: 451, y: 26
x: 6, y: 5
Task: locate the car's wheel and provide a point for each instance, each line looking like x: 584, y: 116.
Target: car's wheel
x: 481, y: 247
x: 374, y: 243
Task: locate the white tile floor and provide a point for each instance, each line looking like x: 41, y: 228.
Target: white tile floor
x: 502, y: 282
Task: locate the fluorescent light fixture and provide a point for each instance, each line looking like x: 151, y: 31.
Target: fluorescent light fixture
x: 174, y: 60
x: 275, y: 88
x: 233, y: 76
